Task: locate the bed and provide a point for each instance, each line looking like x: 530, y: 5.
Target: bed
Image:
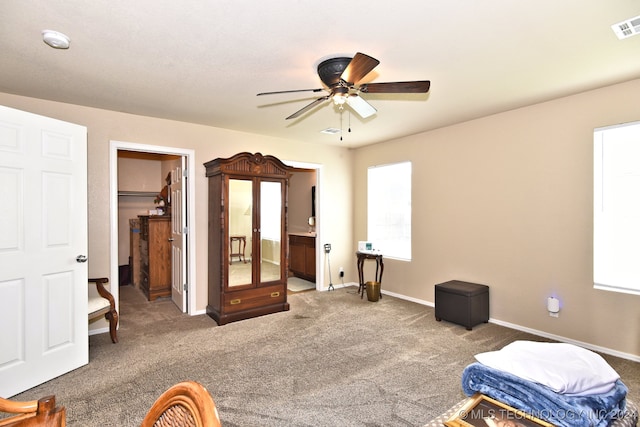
x: 563, y: 384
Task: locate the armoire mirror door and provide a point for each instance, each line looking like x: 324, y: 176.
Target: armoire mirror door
x: 240, y: 235
x: 255, y: 235
x: 270, y: 231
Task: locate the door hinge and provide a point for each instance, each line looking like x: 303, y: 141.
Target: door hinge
x: 185, y: 173
x: 184, y: 287
x: 185, y: 230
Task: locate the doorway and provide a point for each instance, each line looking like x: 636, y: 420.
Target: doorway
x: 305, y: 266
x: 186, y: 263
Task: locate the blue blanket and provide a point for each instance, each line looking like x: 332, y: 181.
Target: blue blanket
x: 596, y: 410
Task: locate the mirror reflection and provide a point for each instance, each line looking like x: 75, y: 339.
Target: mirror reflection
x: 240, y: 227
x: 240, y: 231
x: 270, y: 230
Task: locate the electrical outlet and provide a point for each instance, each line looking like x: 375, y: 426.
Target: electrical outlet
x: 341, y: 272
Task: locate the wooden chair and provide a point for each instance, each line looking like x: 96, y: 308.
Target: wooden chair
x: 187, y: 403
x: 41, y: 413
x: 103, y: 303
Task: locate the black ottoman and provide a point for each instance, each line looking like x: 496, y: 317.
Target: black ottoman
x: 464, y: 303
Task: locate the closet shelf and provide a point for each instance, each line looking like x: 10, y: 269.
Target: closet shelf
x: 138, y: 193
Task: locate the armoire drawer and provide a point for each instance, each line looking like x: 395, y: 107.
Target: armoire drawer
x: 252, y: 298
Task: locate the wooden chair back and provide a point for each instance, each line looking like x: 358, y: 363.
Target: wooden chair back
x: 187, y: 403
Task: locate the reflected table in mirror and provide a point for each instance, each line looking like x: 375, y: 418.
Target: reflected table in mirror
x: 242, y: 245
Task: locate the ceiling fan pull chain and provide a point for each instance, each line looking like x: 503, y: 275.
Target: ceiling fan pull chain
x: 341, y: 123
x: 349, y: 121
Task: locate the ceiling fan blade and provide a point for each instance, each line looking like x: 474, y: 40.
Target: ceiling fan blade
x: 420, y: 86
x: 360, y: 66
x: 290, y: 91
x: 308, y: 107
x: 360, y: 106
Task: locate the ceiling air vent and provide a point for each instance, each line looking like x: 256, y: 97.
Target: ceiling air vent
x: 627, y: 28
x: 330, y: 131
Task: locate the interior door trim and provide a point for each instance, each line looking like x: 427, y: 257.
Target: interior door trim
x: 191, y: 271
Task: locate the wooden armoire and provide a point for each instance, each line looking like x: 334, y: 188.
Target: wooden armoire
x: 248, y: 197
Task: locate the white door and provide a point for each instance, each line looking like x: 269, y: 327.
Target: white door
x: 43, y: 249
x: 178, y: 236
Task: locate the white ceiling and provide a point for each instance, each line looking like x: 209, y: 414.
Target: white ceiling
x: 205, y: 61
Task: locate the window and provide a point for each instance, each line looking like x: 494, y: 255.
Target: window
x: 616, y: 213
x: 389, y: 209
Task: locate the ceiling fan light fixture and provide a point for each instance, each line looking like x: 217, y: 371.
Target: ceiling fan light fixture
x: 339, y: 99
x: 55, y: 39
x: 340, y: 95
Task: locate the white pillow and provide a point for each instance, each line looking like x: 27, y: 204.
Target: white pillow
x: 564, y: 368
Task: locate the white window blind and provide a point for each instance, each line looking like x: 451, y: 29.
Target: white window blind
x: 616, y: 216
x: 389, y: 209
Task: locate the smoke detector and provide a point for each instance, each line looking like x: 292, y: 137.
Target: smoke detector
x: 627, y: 28
x: 55, y: 39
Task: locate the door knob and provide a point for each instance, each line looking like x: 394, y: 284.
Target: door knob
x: 81, y: 258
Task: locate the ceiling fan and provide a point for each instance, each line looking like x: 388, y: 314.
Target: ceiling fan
x: 341, y: 77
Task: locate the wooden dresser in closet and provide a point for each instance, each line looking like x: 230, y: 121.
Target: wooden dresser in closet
x: 155, y: 255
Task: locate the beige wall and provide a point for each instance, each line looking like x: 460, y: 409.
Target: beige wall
x: 507, y: 201
x: 300, y: 189
x: 140, y: 174
x: 207, y: 143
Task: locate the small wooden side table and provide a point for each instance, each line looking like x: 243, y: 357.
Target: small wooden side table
x: 362, y: 256
x: 242, y: 244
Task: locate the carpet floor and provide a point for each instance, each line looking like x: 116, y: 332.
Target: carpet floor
x: 334, y: 359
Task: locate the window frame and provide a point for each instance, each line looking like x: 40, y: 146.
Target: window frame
x: 616, y: 216
x: 375, y: 185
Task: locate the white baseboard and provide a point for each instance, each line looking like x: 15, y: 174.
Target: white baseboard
x: 99, y: 331
x: 339, y: 286
x: 593, y: 347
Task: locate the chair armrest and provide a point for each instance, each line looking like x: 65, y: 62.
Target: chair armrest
x: 16, y: 407
x: 42, y: 412
x: 102, y: 291
x: 109, y: 311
